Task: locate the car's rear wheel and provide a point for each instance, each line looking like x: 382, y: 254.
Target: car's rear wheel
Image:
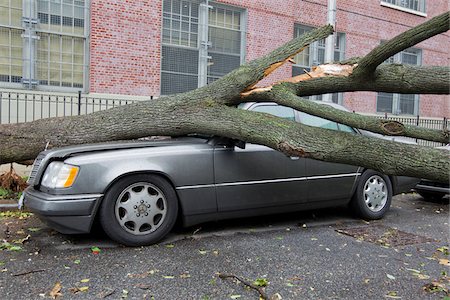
x: 434, y: 196
x: 139, y: 210
x: 373, y: 196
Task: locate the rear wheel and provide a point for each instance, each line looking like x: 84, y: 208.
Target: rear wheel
x: 373, y: 196
x: 139, y: 210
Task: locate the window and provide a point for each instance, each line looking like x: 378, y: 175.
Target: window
x: 413, y: 5
x: 315, y: 55
x: 43, y: 43
x: 200, y: 43
x: 406, y: 104
x: 317, y: 122
x: 276, y: 110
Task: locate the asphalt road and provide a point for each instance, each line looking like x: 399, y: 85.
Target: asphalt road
x: 322, y: 254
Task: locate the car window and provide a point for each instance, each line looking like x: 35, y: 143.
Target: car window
x: 346, y: 128
x: 317, y: 122
x: 276, y: 110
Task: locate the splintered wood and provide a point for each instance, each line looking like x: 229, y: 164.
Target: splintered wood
x: 327, y: 70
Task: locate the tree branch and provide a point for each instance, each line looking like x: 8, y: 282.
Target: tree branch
x: 260, y: 290
x: 407, y: 39
x: 384, y: 127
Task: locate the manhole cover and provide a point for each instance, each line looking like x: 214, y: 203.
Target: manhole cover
x: 384, y: 235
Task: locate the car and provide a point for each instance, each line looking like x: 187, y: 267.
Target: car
x: 138, y: 190
x: 432, y: 190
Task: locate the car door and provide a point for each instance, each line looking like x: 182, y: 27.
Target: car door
x: 257, y: 176
x: 328, y: 181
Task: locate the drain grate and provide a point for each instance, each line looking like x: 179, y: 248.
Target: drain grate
x: 384, y: 235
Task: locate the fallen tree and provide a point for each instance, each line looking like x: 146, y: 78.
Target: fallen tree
x: 212, y: 110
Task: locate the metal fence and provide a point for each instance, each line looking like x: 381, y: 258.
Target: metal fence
x: 17, y: 107
x: 431, y: 123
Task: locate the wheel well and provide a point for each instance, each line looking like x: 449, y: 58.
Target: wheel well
x: 163, y: 175
x: 392, y: 179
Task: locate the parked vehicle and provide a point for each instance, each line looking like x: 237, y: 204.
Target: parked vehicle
x: 137, y: 190
x: 431, y: 190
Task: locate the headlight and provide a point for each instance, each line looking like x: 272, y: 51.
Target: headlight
x: 59, y: 175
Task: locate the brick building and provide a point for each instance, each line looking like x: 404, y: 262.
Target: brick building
x: 159, y: 47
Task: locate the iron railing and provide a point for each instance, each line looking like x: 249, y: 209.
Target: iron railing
x: 18, y: 107
x: 431, y: 123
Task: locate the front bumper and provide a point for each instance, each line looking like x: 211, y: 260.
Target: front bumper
x: 68, y: 214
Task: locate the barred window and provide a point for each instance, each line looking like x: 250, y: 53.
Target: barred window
x: 406, y: 104
x: 200, y: 43
x: 416, y: 5
x: 45, y: 45
x: 315, y: 55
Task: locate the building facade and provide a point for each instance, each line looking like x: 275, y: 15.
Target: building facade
x: 159, y: 47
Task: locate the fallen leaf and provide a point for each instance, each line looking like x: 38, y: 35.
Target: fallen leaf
x: 169, y: 277
x: 392, y: 295
x: 185, y: 275
x: 444, y: 261
x: 85, y: 280
x: 202, y: 252
x: 34, y: 229
x: 276, y: 296
x: 390, y: 276
x: 56, y: 291
x: 95, y: 250
x: 83, y: 288
x: 76, y: 261
x: 262, y: 282
x: 170, y: 246
x: 235, y: 296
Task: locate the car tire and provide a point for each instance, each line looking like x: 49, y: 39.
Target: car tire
x: 139, y: 210
x: 373, y: 196
x: 433, y: 196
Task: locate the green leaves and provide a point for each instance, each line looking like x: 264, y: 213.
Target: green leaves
x: 261, y: 282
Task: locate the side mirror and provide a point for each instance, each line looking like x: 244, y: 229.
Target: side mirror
x: 239, y: 144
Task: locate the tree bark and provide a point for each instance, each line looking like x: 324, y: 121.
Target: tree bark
x: 211, y: 110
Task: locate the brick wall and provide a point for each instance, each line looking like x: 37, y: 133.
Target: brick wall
x: 125, y: 47
x: 125, y: 41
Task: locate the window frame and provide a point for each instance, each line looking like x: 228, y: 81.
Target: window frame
x: 30, y: 39
x: 397, y: 5
x: 203, y: 40
x: 396, y: 97
x: 313, y: 54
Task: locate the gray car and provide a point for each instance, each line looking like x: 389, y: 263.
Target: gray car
x: 138, y: 190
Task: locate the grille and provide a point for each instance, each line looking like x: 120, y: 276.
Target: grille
x: 34, y: 170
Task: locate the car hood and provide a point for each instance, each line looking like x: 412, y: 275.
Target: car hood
x: 89, y: 148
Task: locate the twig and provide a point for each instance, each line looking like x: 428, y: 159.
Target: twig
x: 259, y: 289
x: 29, y: 272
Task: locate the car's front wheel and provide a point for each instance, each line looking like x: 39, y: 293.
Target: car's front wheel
x: 139, y: 210
x: 373, y: 196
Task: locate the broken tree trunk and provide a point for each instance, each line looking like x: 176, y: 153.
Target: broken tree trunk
x: 211, y: 110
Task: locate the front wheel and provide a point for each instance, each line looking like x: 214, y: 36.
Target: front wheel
x: 139, y: 210
x: 373, y: 196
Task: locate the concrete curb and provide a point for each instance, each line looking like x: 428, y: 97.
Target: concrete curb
x: 8, y: 204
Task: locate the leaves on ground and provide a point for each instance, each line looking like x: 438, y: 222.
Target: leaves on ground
x: 9, y: 247
x: 262, y: 282
x: 390, y: 276
x: 56, y: 291
x: 392, y: 295
x: 95, y: 250
x: 15, y: 214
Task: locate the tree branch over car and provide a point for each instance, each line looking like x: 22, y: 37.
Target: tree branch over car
x: 212, y: 110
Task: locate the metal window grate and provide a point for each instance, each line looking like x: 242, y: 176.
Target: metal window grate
x: 11, y: 13
x: 417, y: 5
x: 10, y: 55
x: 66, y: 16
x: 315, y: 55
x: 399, y: 103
